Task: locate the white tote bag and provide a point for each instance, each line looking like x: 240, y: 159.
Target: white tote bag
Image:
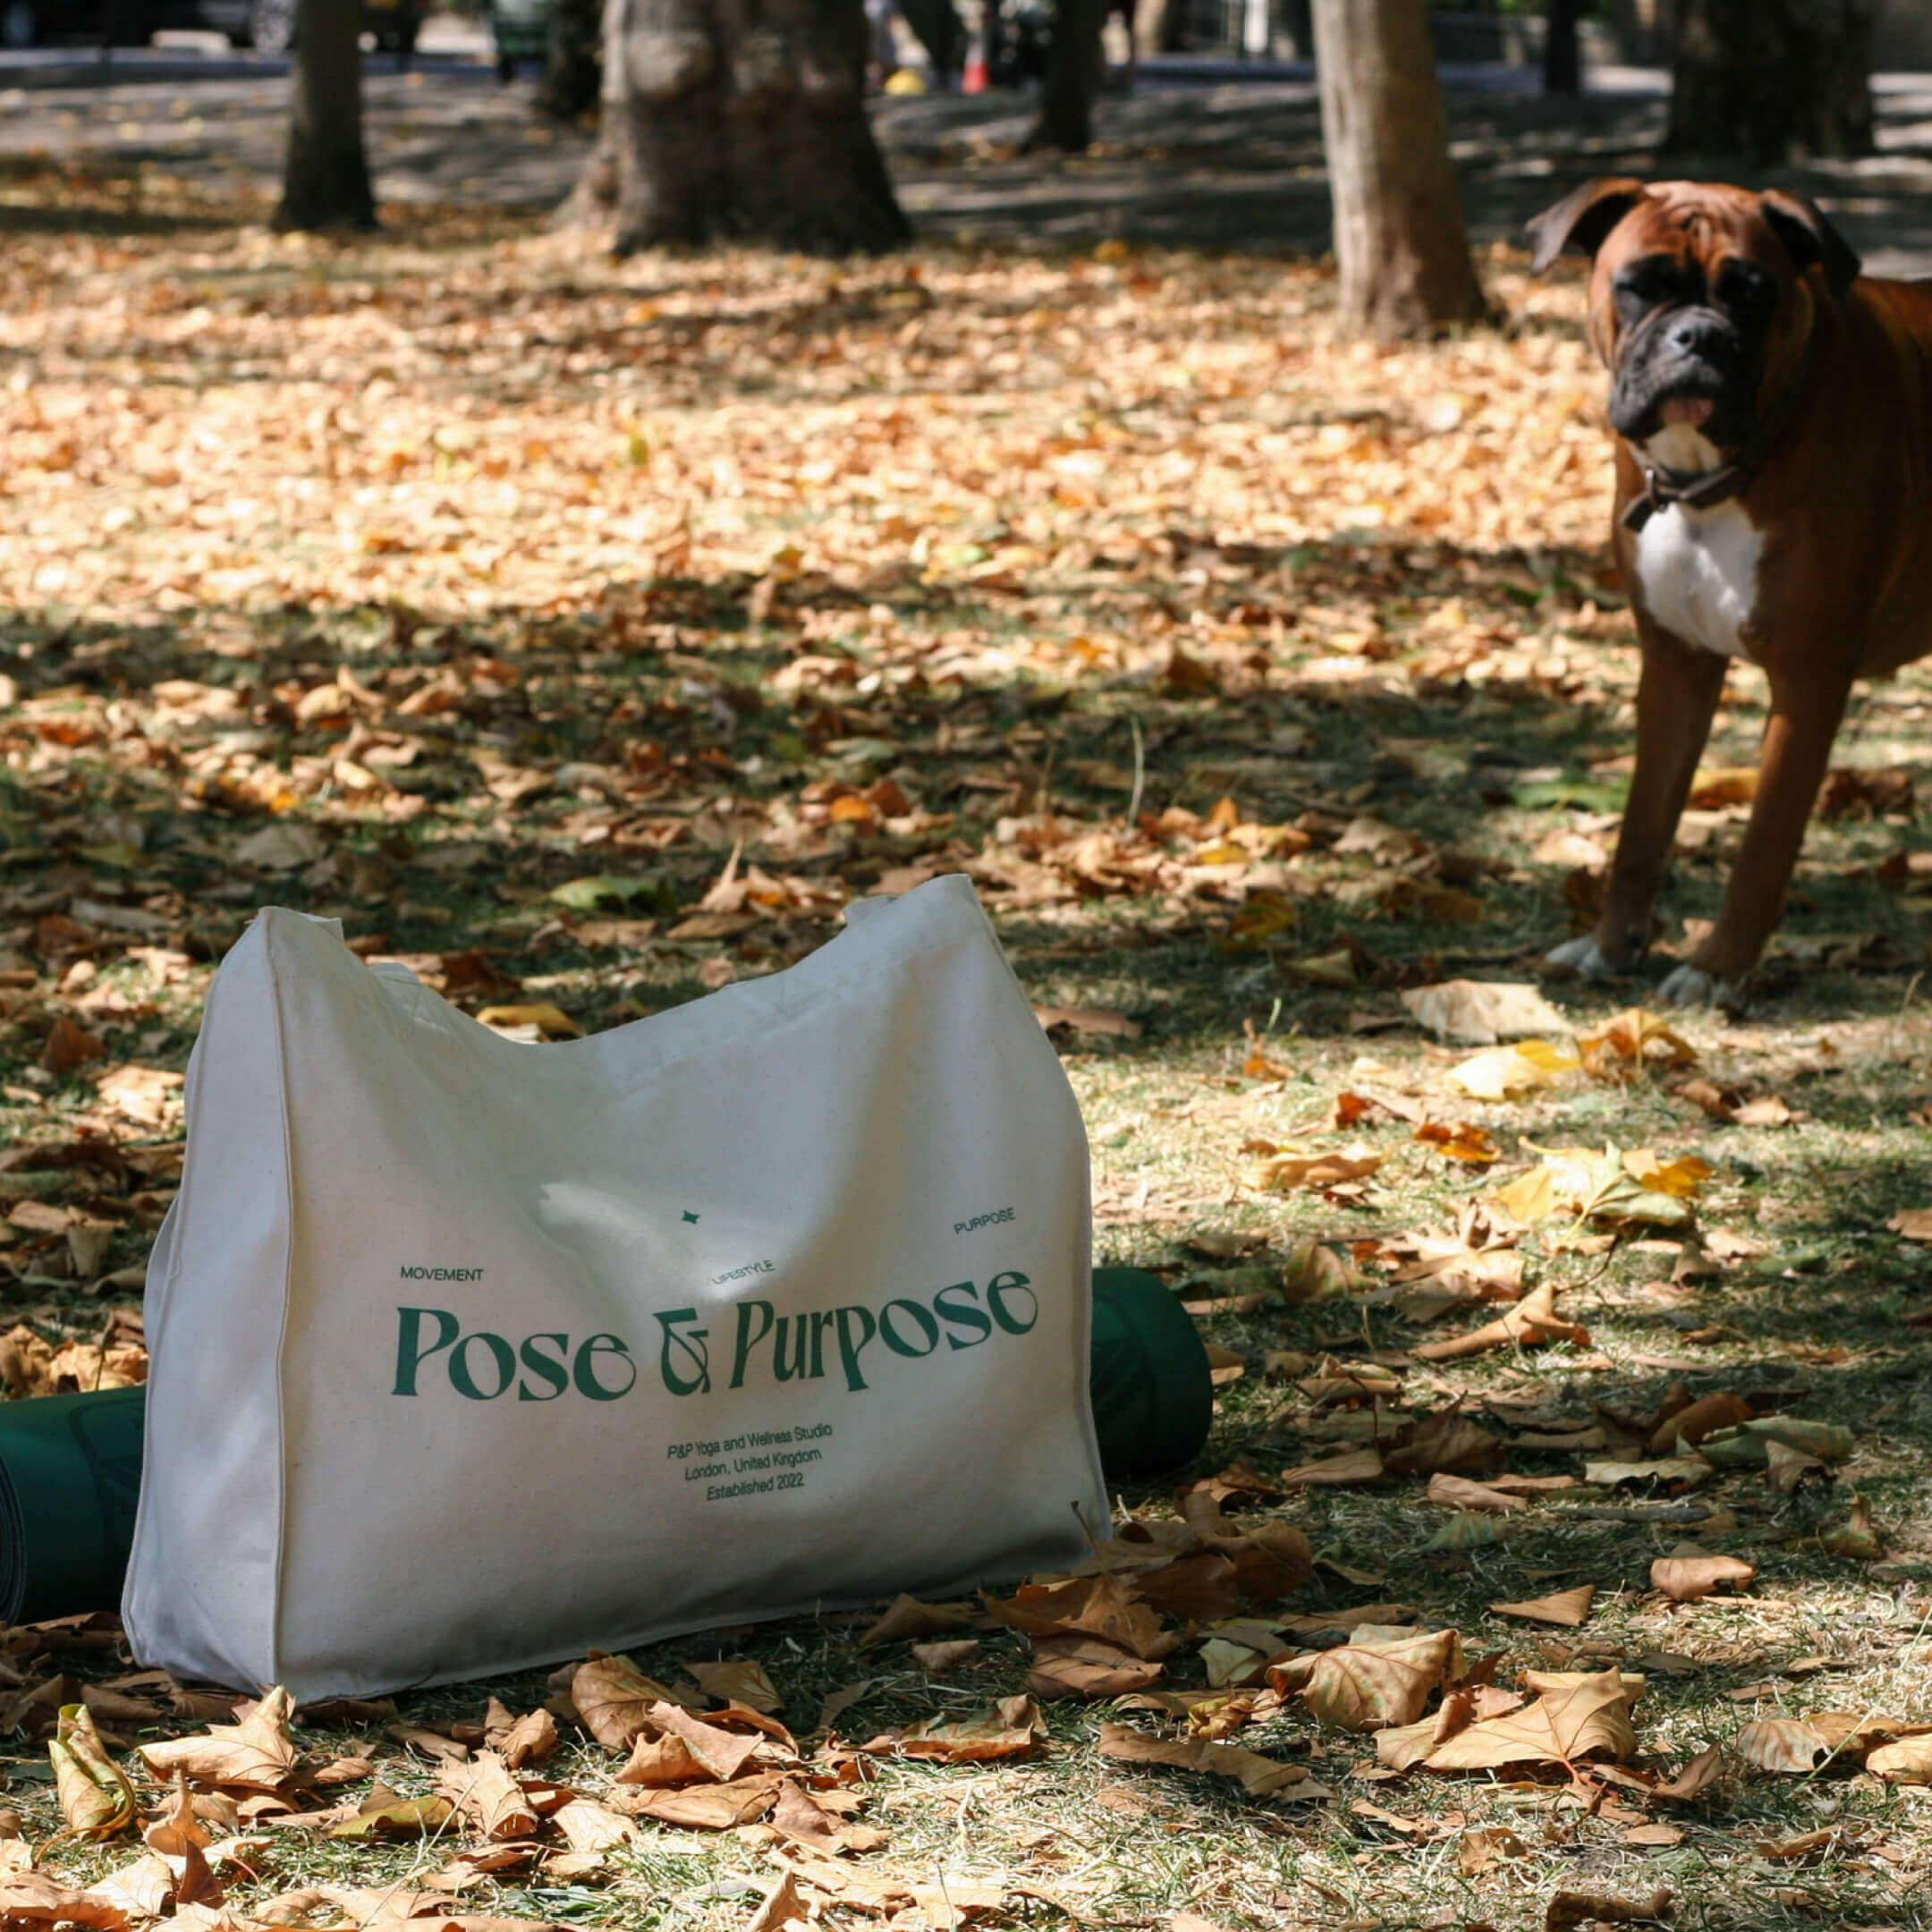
x: 470, y: 1355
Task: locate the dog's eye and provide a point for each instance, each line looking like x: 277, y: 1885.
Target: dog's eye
x: 1745, y: 289
x: 1649, y: 284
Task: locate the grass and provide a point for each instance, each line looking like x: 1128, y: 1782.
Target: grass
x: 684, y: 551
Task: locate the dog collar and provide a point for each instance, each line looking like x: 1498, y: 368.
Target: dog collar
x: 1699, y: 488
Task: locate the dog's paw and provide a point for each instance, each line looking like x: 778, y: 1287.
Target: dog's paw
x: 1691, y: 986
x: 1583, y: 957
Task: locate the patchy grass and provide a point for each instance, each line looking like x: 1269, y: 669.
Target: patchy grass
x: 466, y: 568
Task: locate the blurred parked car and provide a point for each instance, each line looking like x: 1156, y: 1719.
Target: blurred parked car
x: 521, y: 29
x: 267, y: 24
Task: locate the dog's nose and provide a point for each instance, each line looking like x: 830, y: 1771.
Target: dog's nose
x: 1695, y: 334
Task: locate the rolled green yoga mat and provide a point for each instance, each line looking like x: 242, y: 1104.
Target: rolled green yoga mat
x: 1153, y: 1396
x: 70, y: 1465
x: 69, y: 1477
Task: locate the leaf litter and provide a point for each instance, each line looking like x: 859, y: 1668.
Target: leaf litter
x: 370, y: 733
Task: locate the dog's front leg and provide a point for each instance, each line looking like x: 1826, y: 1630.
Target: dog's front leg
x: 1677, y: 695
x: 1790, y: 767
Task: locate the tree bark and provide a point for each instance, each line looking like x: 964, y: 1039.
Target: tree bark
x: 937, y: 28
x: 1400, y: 242
x: 1563, y: 52
x: 573, y: 61
x: 1773, y: 81
x: 1074, y: 58
x: 325, y: 178
x: 744, y: 119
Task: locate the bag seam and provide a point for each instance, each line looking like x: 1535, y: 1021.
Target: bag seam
x: 276, y: 1591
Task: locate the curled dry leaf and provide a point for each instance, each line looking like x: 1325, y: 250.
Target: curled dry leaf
x: 1508, y: 1072
x: 1578, y: 1713
x: 258, y: 1754
x: 907, y: 1616
x: 615, y: 1699
x: 1783, y: 1744
x: 1568, y: 1910
x: 704, y: 1807
x: 675, y: 1748
x: 739, y: 1680
x: 1075, y: 1667
x: 1856, y: 1535
x: 1479, y: 1012
x: 1699, y: 1420
x: 1105, y: 1606
x: 1284, y: 1173
x: 1446, y: 1443
x: 1478, y: 1851
x: 1351, y: 1466
x: 31, y: 1899
x: 782, y: 1908
x: 1368, y: 1683
x: 486, y: 1793
x: 1568, y: 1608
x: 1259, y: 1777
x: 947, y: 1654
x: 526, y: 1739
x: 1689, y: 1576
x: 1906, y: 1761
x: 95, y: 1797
x: 1696, y: 1777
x: 1459, y: 1493
x: 1531, y: 1322
x: 1010, y: 1729
x: 1403, y: 1746
x: 587, y: 1826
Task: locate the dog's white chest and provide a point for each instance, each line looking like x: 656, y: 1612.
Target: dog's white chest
x: 1698, y: 571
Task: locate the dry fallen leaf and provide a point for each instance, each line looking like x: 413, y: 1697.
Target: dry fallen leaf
x: 615, y: 1699
x: 258, y: 1754
x: 486, y: 1793
x: 1530, y: 1323
x: 1480, y: 1014
x: 1576, y: 1714
x: 1568, y: 1608
x: 1508, y: 1072
x: 1687, y: 1577
x: 743, y: 1680
x: 1370, y: 1682
x: 1259, y: 1777
x: 1013, y: 1728
x: 907, y: 1616
x: 95, y: 1797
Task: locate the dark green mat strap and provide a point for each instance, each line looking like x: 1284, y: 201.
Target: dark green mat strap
x: 69, y: 1477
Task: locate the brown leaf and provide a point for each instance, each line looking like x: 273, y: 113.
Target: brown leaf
x: 1568, y: 1608
x: 1086, y: 1667
x: 781, y: 1910
x: 30, y: 1898
x: 1568, y: 1910
x: 802, y: 1819
x: 938, y: 1658
x: 1459, y: 1493
x: 615, y: 1698
x: 1403, y: 1745
x: 674, y: 1748
x: 589, y: 1826
x: 526, y: 1739
x: 703, y: 1807
x: 907, y: 1616
x: 1480, y: 1014
x: 1906, y: 1761
x: 1446, y: 1444
x: 68, y: 1046
x: 1686, y: 1578
x: 1105, y: 1606
x: 1478, y: 1851
x: 741, y: 1680
x: 1578, y: 1713
x: 1259, y: 1777
x: 1367, y: 1683
x: 1100, y: 1019
x: 1010, y: 1729
x: 258, y: 1754
x: 1699, y: 1420
x: 1533, y: 1321
x: 1696, y: 1777
x: 1783, y: 1744
x: 1351, y: 1466
x: 95, y: 1797
x: 489, y: 1797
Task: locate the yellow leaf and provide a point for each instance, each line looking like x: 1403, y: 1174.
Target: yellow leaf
x: 1504, y: 1072
x: 95, y: 1797
x: 552, y: 1021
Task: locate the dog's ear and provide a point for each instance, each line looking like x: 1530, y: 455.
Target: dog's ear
x: 1808, y: 235
x: 1581, y: 219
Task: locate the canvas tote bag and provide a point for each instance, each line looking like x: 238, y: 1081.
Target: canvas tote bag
x: 470, y: 1355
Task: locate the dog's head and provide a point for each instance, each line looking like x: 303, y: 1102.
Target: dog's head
x: 1702, y: 298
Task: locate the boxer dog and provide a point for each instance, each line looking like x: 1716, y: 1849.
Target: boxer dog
x: 1774, y: 502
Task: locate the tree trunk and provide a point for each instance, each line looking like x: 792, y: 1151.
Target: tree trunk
x: 1074, y: 57
x: 326, y: 181
x: 937, y: 28
x: 573, y: 61
x: 744, y: 118
x: 1563, y: 52
x: 1773, y: 81
x: 1400, y: 243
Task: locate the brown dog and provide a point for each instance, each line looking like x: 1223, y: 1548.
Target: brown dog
x: 1774, y: 502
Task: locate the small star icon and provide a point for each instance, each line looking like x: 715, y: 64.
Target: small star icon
x: 689, y: 1217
